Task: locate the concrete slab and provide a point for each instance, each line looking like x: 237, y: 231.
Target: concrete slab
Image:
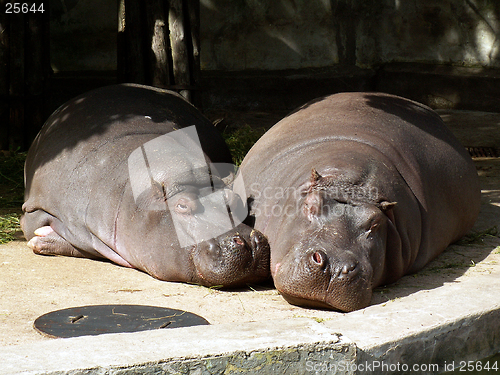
x: 447, y: 313
x: 268, y: 347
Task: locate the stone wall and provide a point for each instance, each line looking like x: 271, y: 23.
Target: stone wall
x: 83, y: 35
x: 277, y: 54
x: 463, y: 32
x: 291, y: 34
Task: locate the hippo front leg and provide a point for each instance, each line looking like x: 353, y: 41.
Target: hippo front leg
x: 47, y: 242
x: 38, y: 227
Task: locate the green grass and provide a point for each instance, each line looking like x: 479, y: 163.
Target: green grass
x: 11, y: 193
x: 11, y: 179
x: 453, y: 266
x: 9, y: 225
x: 478, y: 237
x: 319, y: 320
x: 241, y: 140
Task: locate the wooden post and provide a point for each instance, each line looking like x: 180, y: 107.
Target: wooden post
x: 37, y: 73
x: 180, y: 57
x: 158, y: 44
x: 157, y: 31
x: 16, y: 80
x: 131, y: 60
x: 4, y: 77
x: 24, y: 72
x: 193, y: 10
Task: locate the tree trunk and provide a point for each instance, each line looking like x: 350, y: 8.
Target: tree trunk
x: 157, y: 28
x: 193, y: 9
x: 158, y: 44
x: 180, y: 58
x: 24, y: 74
x: 4, y: 77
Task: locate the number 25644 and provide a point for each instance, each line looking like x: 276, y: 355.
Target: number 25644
x: 16, y: 8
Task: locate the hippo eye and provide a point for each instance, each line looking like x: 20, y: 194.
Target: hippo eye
x: 373, y: 226
x: 184, y: 206
x: 372, y: 229
x: 229, y: 195
x: 312, y: 205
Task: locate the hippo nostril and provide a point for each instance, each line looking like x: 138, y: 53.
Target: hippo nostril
x: 347, y: 269
x: 213, y: 246
x: 256, y: 237
x: 238, y: 241
x: 258, y: 242
x: 318, y: 258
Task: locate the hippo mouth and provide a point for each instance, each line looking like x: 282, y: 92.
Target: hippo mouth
x: 344, y: 298
x: 232, y: 260
x: 314, y: 282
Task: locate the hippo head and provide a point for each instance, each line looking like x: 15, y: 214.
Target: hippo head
x: 335, y: 253
x: 223, y: 250
x: 171, y: 178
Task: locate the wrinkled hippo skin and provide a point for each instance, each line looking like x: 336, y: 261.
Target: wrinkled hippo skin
x: 354, y: 191
x: 79, y: 198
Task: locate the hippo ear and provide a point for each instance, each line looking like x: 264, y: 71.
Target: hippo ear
x: 315, y: 177
x: 386, y: 206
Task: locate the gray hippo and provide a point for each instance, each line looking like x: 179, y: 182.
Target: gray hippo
x: 139, y: 176
x: 355, y: 190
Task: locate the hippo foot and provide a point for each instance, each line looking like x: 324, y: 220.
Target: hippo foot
x: 48, y: 242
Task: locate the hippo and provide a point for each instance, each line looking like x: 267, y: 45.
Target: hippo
x: 354, y: 191
x: 138, y: 176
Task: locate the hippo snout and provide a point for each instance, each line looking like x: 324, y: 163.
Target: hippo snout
x: 234, y: 259
x: 315, y: 279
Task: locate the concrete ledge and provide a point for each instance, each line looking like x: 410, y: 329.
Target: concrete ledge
x: 455, y: 322
x: 269, y: 347
x: 439, y: 86
x: 417, y: 330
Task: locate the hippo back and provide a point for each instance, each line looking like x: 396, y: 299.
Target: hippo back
x: 77, y: 175
x: 410, y: 136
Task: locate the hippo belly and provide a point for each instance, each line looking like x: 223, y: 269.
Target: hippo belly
x: 137, y: 175
x: 354, y: 191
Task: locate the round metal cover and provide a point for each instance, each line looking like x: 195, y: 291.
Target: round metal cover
x: 99, y: 319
